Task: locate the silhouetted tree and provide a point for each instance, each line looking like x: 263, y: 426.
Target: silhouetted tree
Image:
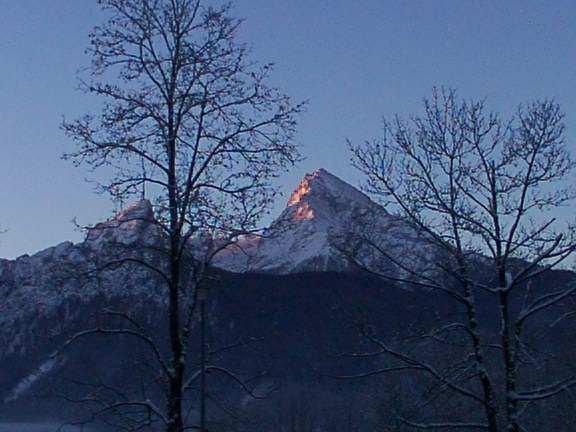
x: 483, y: 194
x: 187, y: 115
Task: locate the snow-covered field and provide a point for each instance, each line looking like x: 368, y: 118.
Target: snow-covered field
x: 38, y: 427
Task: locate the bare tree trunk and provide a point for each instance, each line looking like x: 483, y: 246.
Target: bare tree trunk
x: 490, y: 409
x: 203, y: 362
x: 508, y: 358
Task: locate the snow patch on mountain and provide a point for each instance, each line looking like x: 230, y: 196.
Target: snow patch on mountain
x: 26, y: 384
x: 69, y: 273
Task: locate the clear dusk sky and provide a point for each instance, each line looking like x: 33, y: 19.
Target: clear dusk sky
x: 354, y: 60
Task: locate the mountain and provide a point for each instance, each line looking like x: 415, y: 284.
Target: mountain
x: 286, y: 309
x: 300, y: 238
x: 59, y: 291
x: 320, y: 212
x: 314, y: 232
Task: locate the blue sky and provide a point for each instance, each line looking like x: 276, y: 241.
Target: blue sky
x: 354, y: 60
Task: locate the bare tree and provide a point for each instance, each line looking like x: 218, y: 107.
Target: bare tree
x: 484, y: 194
x: 190, y: 119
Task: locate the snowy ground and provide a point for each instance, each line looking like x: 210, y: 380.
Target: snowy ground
x: 38, y: 427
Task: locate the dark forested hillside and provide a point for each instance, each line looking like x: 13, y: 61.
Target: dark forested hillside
x: 282, y: 348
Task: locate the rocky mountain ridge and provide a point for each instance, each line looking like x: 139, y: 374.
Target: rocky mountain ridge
x: 320, y: 213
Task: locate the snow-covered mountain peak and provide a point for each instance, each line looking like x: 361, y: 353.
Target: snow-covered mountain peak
x: 313, y: 233
x: 135, y: 213
x: 323, y: 198
x: 300, y: 238
x: 323, y: 184
x: 134, y: 223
